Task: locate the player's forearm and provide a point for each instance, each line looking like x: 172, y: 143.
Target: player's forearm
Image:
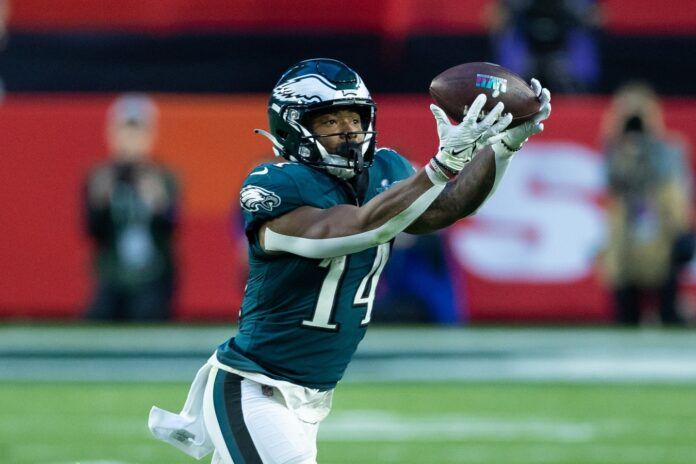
x: 392, y: 202
x: 344, y: 230
x: 460, y: 197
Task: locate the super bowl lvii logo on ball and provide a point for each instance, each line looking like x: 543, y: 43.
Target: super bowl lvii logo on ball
x: 497, y: 84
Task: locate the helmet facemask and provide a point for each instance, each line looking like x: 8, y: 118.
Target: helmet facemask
x: 350, y: 157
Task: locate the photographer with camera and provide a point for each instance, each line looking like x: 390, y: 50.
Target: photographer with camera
x: 649, y: 209
x: 131, y: 206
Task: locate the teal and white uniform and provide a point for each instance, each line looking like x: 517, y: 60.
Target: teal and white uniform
x: 302, y: 319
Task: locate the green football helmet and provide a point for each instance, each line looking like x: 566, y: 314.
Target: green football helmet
x: 313, y: 86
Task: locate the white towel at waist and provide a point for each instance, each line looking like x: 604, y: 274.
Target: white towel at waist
x: 185, y: 430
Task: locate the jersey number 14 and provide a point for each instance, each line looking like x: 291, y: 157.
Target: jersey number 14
x: 326, y: 303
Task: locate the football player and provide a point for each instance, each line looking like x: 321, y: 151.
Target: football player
x: 320, y: 226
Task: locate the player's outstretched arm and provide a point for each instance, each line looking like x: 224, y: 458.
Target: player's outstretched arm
x: 345, y: 229
x: 479, y: 179
x: 461, y: 197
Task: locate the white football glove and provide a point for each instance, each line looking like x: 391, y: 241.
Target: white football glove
x: 512, y: 140
x: 459, y: 143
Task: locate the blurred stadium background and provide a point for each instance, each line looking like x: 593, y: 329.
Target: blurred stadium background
x: 532, y: 372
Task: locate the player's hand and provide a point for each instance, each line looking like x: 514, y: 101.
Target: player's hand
x: 459, y: 143
x: 513, y: 139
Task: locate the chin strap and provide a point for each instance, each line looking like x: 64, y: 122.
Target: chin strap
x: 333, y: 167
x: 277, y: 147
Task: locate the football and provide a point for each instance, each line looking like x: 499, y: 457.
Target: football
x: 456, y: 88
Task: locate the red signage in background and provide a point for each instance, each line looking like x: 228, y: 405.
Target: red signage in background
x: 527, y: 255
x: 48, y: 145
x: 529, y: 252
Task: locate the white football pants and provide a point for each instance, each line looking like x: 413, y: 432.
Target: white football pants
x: 250, y: 424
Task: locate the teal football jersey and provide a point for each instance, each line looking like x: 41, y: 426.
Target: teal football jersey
x: 302, y: 319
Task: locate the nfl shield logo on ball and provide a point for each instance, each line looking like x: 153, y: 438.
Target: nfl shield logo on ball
x: 497, y: 84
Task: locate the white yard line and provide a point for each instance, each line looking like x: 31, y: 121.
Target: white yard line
x: 384, y: 426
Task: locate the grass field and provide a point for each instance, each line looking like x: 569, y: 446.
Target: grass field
x: 443, y: 422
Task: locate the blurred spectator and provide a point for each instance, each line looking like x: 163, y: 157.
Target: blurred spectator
x: 4, y: 16
x: 131, y: 215
x: 552, y: 40
x: 649, y: 206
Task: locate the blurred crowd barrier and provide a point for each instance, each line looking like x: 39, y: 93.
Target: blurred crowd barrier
x: 528, y: 255
x: 242, y: 46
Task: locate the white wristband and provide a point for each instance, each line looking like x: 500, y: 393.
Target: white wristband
x: 502, y: 157
x: 435, y: 176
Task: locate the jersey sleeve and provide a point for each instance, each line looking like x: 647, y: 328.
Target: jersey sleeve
x: 398, y: 166
x: 267, y: 193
